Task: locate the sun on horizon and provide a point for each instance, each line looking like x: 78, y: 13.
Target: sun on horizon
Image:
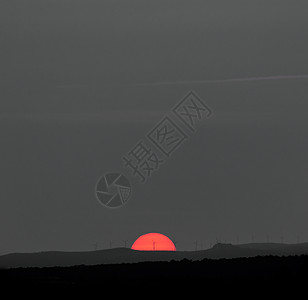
x: 153, y: 242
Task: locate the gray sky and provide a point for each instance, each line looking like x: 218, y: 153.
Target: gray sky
x: 82, y: 81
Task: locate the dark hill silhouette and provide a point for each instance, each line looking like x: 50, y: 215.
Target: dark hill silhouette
x: 278, y: 273
x: 125, y: 255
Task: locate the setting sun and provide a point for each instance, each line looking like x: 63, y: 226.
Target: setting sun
x: 153, y: 242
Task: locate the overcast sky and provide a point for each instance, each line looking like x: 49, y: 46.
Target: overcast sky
x: 82, y: 81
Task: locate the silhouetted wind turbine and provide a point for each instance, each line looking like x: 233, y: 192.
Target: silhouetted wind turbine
x: 95, y: 246
x: 196, y: 245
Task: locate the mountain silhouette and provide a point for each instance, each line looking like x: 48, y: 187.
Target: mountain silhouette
x: 125, y: 255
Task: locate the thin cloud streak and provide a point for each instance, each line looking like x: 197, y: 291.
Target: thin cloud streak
x: 228, y: 80
x: 162, y: 83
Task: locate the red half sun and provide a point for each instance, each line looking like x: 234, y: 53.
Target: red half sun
x: 153, y: 242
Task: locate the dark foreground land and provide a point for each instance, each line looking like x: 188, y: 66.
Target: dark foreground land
x: 269, y: 270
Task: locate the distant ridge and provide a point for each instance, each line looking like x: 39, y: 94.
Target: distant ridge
x: 125, y: 255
